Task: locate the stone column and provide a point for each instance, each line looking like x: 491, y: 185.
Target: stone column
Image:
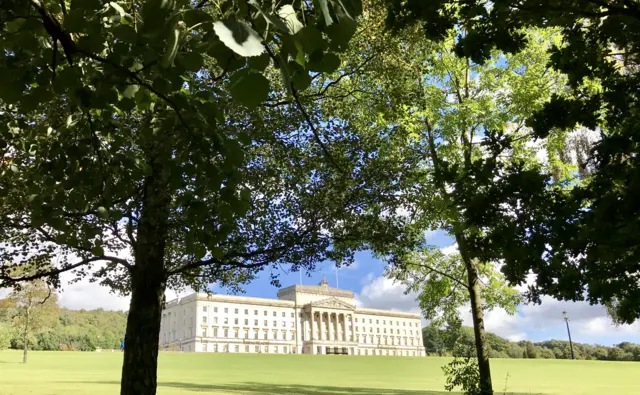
x: 320, y: 326
x: 311, y: 314
x: 353, y: 330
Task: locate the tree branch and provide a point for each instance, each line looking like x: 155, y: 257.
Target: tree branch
x: 449, y: 276
x: 55, y: 272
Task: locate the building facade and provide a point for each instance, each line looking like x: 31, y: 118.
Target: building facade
x: 304, y: 319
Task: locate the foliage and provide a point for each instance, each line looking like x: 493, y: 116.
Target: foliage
x: 592, y: 226
x: 68, y: 330
x: 548, y: 349
x: 467, y: 122
x: 189, y: 135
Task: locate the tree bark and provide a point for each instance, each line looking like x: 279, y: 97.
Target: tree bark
x: 148, y: 282
x: 25, y: 335
x: 477, y: 313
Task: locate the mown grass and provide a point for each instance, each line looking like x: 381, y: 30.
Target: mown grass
x: 72, y: 373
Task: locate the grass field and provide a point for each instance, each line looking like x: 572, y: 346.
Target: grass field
x: 72, y: 373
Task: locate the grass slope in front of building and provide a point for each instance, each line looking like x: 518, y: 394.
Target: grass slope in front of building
x: 74, y: 373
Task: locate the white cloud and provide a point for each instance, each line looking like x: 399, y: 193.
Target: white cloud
x: 452, y: 249
x: 384, y: 293
x: 537, y: 322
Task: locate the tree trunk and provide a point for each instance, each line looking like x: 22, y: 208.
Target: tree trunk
x: 477, y: 313
x: 148, y: 281
x: 25, y: 335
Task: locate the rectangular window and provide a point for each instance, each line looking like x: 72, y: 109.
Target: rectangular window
x: 275, y: 323
x: 292, y: 315
x: 404, y: 323
x: 215, y: 309
x: 204, y: 332
x: 204, y: 309
x: 274, y: 313
x: 226, y: 332
x: 235, y: 334
x: 255, y: 322
x: 246, y: 348
x: 204, y: 319
x: 265, y: 313
x: 255, y: 312
x: 215, y: 320
x: 377, y: 322
x: 226, y: 320
x: 370, y: 321
x: 285, y: 349
x: 246, y: 321
x: 215, y: 332
x: 378, y: 330
x: 384, y: 322
x: 284, y: 324
x: 266, y: 335
x: 246, y: 311
x: 255, y: 335
x: 237, y: 348
x: 226, y: 309
x: 275, y: 335
x: 385, y: 330
x: 266, y: 323
x: 235, y: 321
x: 284, y: 314
x: 235, y: 311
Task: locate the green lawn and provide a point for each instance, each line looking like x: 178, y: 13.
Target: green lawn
x: 98, y: 374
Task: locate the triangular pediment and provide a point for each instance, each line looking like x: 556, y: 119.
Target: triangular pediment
x: 333, y: 303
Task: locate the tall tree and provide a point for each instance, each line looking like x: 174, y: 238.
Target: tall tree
x: 466, y: 123
x: 153, y: 126
x: 581, y: 243
x: 37, y: 308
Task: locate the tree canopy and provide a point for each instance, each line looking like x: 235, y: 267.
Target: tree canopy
x: 575, y: 232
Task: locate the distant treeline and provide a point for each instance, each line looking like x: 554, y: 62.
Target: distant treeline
x: 73, y: 330
x: 435, y: 344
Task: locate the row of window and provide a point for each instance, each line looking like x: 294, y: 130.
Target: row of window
x: 388, y: 340
x: 236, y: 321
x: 384, y: 322
x: 236, y: 334
x: 247, y: 348
x: 364, y: 329
x: 246, y: 311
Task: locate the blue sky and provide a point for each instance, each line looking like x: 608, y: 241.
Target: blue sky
x: 589, y: 324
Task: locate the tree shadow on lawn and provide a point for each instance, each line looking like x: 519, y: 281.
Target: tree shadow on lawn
x: 270, y: 389
x: 295, y: 389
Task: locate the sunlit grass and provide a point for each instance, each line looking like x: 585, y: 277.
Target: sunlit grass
x: 184, y: 373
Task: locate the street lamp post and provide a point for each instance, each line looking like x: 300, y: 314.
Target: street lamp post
x: 566, y: 320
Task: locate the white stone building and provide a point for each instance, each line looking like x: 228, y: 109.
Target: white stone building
x: 304, y: 319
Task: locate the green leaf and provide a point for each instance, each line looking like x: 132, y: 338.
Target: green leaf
x: 301, y: 80
x: 288, y: 14
x: 195, y: 16
x: 310, y: 39
x: 130, y: 91
x: 217, y: 253
x: 340, y: 34
x: 272, y: 19
x: 192, y: 61
x: 329, y: 63
x: 325, y: 11
x: 172, y: 48
x: 239, y: 37
x: 259, y: 63
x: 97, y: 251
x: 251, y: 90
x: 102, y: 212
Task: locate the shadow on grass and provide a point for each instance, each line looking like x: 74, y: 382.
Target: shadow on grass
x: 295, y: 389
x: 270, y: 389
